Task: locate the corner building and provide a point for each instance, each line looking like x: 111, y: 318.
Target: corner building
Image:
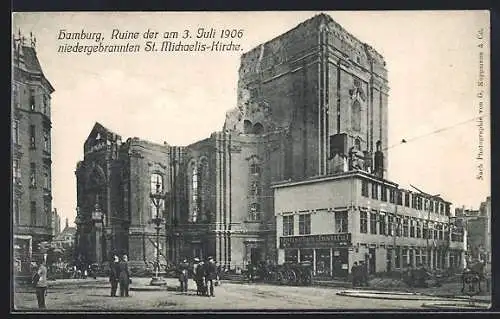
x: 334, y: 221
x: 31, y: 152
x: 310, y: 103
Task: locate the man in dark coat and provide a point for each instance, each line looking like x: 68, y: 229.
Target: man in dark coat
x: 210, y: 275
x: 114, y: 268
x: 183, y: 275
x: 124, y: 276
x: 200, y: 278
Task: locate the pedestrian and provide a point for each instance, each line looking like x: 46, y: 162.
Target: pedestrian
x: 124, y: 277
x: 40, y: 283
x: 210, y: 276
x: 114, y: 268
x: 355, y: 274
x: 183, y: 275
x: 200, y: 279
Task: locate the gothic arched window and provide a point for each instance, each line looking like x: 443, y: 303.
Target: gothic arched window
x: 156, y: 186
x: 255, y: 211
x: 357, y: 144
x: 356, y: 116
x: 247, y: 127
x: 194, y: 194
x: 258, y: 128
x: 255, y: 169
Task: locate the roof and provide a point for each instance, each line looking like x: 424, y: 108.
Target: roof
x: 31, y: 62
x: 68, y: 231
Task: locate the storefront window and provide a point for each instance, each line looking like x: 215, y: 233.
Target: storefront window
x: 322, y: 262
x: 291, y: 255
x: 424, y: 257
x: 306, y: 255
x: 410, y: 262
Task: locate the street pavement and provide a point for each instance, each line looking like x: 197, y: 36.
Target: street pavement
x: 94, y: 295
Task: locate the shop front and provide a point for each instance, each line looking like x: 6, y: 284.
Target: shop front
x: 329, y: 254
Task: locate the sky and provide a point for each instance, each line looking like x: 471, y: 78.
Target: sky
x: 433, y: 62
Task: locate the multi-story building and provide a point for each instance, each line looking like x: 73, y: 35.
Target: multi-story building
x: 66, y: 238
x: 478, y: 225
x: 334, y: 221
x: 31, y: 150
x: 311, y: 103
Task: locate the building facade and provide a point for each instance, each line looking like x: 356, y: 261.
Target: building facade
x: 354, y: 216
x: 311, y: 102
x: 56, y: 223
x: 31, y: 150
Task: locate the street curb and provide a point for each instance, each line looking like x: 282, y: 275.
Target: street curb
x: 454, y: 298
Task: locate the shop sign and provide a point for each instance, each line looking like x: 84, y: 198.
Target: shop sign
x: 316, y: 241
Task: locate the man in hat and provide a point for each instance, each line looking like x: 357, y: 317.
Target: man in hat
x: 197, y: 274
x: 183, y: 275
x: 210, y: 275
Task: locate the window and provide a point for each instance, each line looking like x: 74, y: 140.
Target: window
x: 447, y: 209
x: 341, y: 222
x: 384, y: 193
x: 419, y: 203
x: 287, y: 225
x: 424, y: 230
x: 364, y: 188
x: 32, y: 137
x: 435, y: 226
x: 32, y: 100
x: 373, y: 222
x: 194, y: 194
x: 17, y: 211
x: 156, y: 183
x: 398, y: 226
x: 440, y: 231
x: 441, y: 208
x: 356, y: 116
x: 46, y: 180
x: 399, y: 198
x: 392, y: 197
x: 255, y: 169
x: 381, y: 222
x: 363, y: 222
x: 255, y: 189
x: 418, y: 257
x: 397, y: 259
x: 46, y: 141
x: 411, y: 255
x: 15, y: 131
x: 45, y: 105
x: 374, y: 191
x: 435, y: 207
x: 33, y: 175
x: 412, y: 228
x: 305, y: 224
x: 419, y: 229
x: 390, y: 225
x: 413, y: 201
x: 33, y: 213
x: 46, y: 209
x: 405, y: 227
x: 423, y: 254
x: 16, y: 172
x: 407, y: 199
x: 255, y: 211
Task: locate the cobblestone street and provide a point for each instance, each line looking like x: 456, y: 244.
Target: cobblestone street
x: 93, y: 295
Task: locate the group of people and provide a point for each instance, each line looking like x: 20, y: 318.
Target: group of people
x: 359, y: 272
x: 119, y: 274
x: 204, y: 273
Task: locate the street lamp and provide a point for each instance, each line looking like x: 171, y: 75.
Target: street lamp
x: 157, y: 198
